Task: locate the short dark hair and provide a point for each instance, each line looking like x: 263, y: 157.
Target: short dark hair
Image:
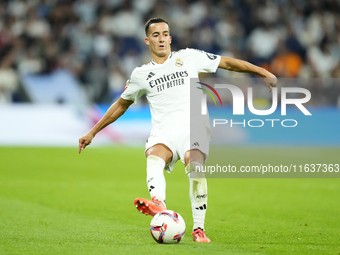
x: 152, y: 21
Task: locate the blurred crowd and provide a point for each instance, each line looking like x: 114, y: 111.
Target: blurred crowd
x: 101, y: 41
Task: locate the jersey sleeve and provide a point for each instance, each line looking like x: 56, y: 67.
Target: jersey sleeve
x: 133, y: 89
x: 205, y: 62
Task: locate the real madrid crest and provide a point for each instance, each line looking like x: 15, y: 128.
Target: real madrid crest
x: 179, y: 62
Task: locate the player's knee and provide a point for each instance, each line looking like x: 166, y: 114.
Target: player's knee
x: 194, y: 170
x: 161, y: 151
x: 194, y: 155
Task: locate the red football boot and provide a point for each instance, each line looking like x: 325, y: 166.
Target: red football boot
x: 149, y: 207
x: 199, y: 236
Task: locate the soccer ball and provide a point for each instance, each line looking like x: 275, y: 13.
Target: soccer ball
x: 167, y: 227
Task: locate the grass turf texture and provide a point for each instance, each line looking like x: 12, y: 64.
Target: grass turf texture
x: 54, y: 201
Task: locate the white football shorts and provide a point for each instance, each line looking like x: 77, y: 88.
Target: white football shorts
x: 179, y: 140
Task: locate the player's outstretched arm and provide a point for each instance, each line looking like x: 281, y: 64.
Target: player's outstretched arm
x: 116, y: 110
x: 237, y: 65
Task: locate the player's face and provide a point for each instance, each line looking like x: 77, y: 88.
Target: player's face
x: 159, y: 39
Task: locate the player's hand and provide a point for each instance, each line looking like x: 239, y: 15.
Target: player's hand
x: 270, y: 81
x: 84, y: 141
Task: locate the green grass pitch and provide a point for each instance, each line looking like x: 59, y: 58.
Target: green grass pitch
x: 54, y: 201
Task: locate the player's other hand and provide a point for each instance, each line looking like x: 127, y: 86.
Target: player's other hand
x: 84, y: 141
x: 270, y: 80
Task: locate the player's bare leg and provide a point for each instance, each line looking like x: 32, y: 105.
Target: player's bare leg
x: 198, y: 192
x: 157, y: 157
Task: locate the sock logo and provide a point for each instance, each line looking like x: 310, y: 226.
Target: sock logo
x: 202, y: 196
x: 208, y: 92
x: 151, y: 188
x: 203, y: 207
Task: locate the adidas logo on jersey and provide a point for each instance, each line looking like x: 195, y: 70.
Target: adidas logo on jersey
x: 150, y: 75
x: 201, y: 207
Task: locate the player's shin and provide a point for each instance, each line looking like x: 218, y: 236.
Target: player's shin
x: 198, y: 193
x: 155, y: 177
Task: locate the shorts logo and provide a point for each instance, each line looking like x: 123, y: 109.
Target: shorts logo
x: 208, y: 92
x: 195, y: 144
x: 179, y: 62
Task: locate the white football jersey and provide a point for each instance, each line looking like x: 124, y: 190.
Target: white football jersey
x: 167, y: 85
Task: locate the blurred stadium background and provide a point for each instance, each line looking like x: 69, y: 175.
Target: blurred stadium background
x: 63, y: 62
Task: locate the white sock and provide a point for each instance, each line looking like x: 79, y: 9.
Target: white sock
x: 198, y: 193
x: 155, y: 177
